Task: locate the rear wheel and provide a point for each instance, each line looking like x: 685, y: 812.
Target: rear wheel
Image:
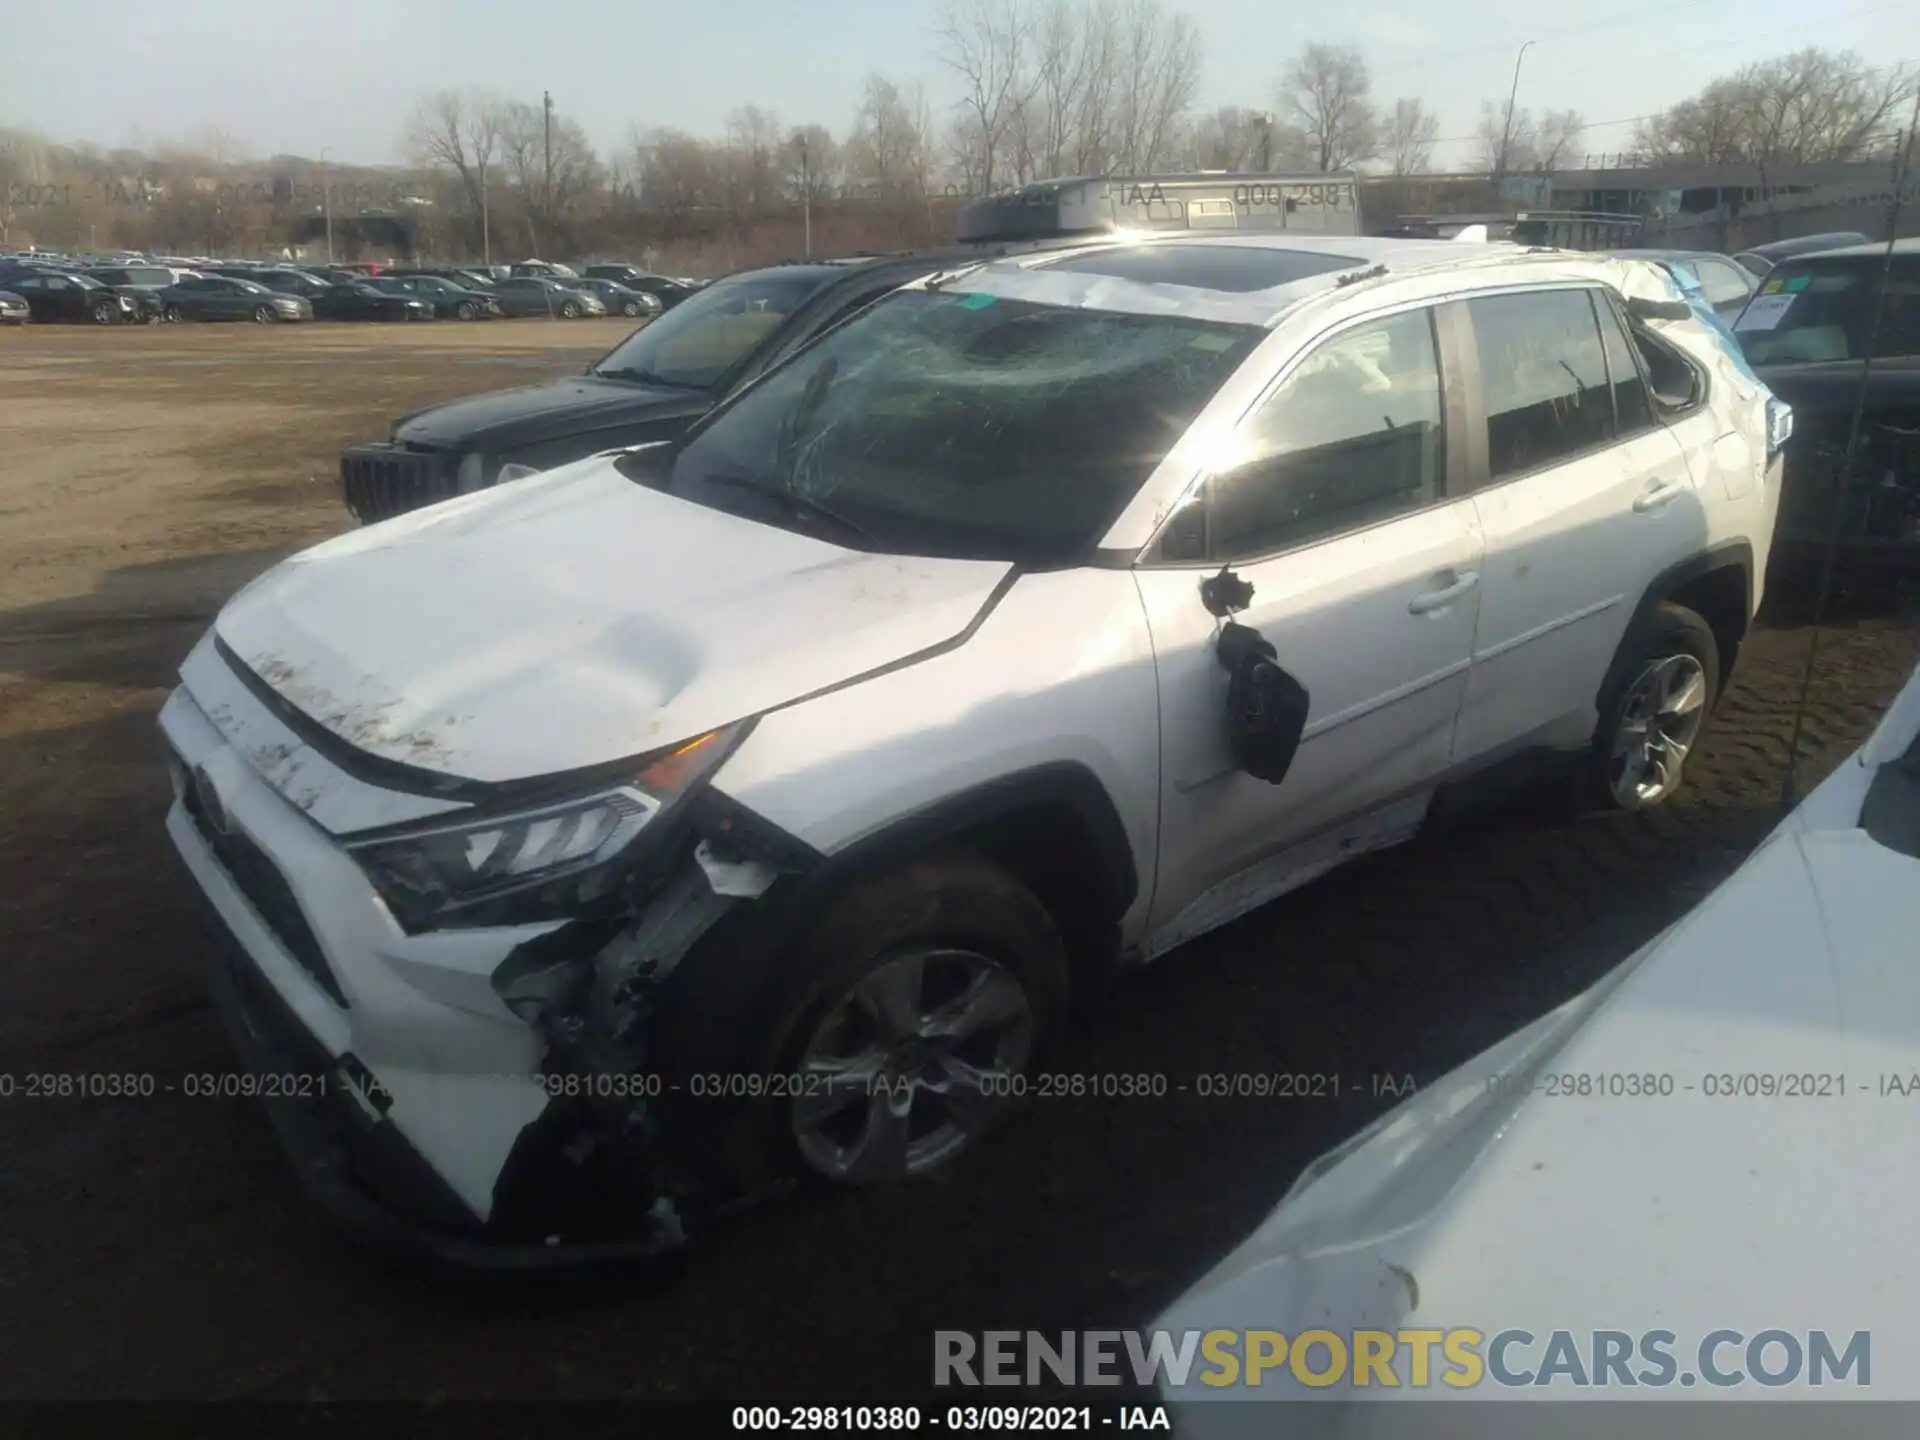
x: 1653, y: 708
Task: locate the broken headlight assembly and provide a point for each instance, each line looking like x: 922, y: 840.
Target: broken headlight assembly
x: 538, y: 862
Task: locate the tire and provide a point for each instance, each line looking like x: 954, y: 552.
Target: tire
x: 967, y: 922
x: 1663, y: 685
x: 263, y: 315
x: 466, y: 310
x: 570, y: 310
x: 105, y: 314
x: 174, y: 315
x: 630, y: 309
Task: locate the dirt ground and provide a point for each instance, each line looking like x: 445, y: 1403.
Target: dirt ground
x: 156, y: 1248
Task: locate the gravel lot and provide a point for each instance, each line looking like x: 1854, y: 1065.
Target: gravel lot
x: 156, y: 1249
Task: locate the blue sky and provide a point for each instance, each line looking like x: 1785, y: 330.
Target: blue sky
x: 343, y: 74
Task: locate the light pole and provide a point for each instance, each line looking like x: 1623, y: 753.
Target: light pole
x: 486, y: 224
x: 326, y: 198
x: 546, y: 108
x: 1265, y: 121
x: 806, y: 195
x: 1506, y: 134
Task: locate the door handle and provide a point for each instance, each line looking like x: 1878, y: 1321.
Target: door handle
x: 1664, y: 492
x: 1433, y: 599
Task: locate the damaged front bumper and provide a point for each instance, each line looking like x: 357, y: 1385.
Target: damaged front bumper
x: 355, y: 1168
x: 484, y: 1098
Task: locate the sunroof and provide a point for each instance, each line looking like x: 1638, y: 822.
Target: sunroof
x: 1208, y: 267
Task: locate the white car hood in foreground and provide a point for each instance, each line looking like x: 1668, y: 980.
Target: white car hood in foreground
x: 1689, y: 1213
x: 576, y: 618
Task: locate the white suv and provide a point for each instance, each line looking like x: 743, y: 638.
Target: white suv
x: 610, y: 843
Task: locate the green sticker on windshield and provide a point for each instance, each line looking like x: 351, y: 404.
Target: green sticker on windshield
x: 1798, y: 283
x: 1215, y: 343
x: 976, y: 302
x: 1772, y: 287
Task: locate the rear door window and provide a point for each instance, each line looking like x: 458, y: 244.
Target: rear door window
x: 1543, y: 377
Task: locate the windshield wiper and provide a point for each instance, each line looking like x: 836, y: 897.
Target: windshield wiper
x: 646, y: 377
x: 797, y: 504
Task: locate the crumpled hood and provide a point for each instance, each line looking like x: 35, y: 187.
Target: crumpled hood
x: 1710, y: 1206
x: 533, y: 414
x: 576, y: 618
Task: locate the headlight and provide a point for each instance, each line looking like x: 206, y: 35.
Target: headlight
x: 515, y: 472
x: 536, y: 863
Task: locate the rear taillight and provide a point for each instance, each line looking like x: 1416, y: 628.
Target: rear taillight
x: 1779, y: 426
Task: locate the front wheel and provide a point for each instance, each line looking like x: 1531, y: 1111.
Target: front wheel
x: 1653, y: 707
x: 570, y: 311
x: 466, y: 310
x: 263, y: 315
x: 631, y: 308
x: 105, y: 313
x: 174, y: 315
x: 902, y: 1027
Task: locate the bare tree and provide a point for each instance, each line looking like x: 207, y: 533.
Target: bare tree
x: 754, y: 161
x: 1326, y: 92
x: 1556, y: 139
x: 1709, y: 127
x: 1808, y: 107
x: 810, y: 163
x: 526, y: 146
x: 677, y: 172
x: 984, y: 42
x: 1411, y: 132
x: 882, y: 153
x: 459, y: 131
x: 1097, y: 85
x: 1053, y: 103
x: 1507, y: 139
x: 1158, y: 75
x: 924, y: 161
x: 1226, y: 139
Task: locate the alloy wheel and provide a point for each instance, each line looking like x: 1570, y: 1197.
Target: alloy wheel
x: 1660, y: 718
x: 910, y: 1065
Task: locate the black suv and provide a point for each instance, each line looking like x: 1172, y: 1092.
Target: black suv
x: 1806, y: 334
x: 651, y: 386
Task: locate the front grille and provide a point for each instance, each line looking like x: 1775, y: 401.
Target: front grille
x: 265, y: 889
x: 382, y: 481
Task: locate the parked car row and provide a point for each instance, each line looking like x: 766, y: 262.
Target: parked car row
x: 50, y: 289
